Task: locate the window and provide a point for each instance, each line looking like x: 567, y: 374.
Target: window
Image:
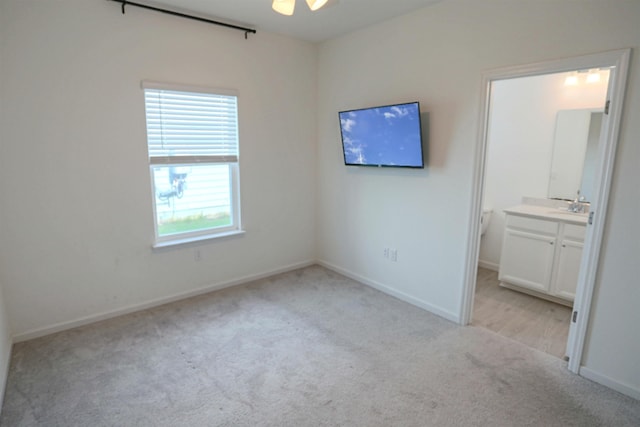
x: 192, y: 137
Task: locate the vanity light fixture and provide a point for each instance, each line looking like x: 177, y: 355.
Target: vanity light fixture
x: 572, y: 79
x: 593, y: 76
x: 286, y: 7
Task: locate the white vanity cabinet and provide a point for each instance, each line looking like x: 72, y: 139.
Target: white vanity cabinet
x: 541, y: 256
x: 528, y: 252
x: 568, y: 261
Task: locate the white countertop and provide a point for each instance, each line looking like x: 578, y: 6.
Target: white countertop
x: 549, y: 213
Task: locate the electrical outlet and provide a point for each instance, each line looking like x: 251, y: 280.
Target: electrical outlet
x: 385, y: 253
x: 393, y: 254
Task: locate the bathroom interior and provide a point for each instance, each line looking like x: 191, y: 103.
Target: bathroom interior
x: 540, y: 169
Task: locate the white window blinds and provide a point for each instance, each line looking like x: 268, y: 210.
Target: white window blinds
x: 191, y: 127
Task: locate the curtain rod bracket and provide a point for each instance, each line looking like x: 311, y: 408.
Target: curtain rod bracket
x: 184, y: 15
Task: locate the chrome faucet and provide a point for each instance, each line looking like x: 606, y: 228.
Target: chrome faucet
x: 578, y: 205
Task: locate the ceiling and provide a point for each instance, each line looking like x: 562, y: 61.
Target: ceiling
x: 338, y: 17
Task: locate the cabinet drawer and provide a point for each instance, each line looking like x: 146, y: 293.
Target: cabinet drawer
x: 574, y: 232
x: 532, y: 224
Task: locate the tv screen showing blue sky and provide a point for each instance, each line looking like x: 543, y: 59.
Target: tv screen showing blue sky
x: 382, y: 136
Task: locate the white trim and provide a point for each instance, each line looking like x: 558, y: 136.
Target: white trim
x: 189, y: 160
x: 475, y: 216
x: 62, y: 326
x: 151, y: 84
x: 5, y: 371
x: 236, y: 207
x: 391, y: 291
x: 489, y: 265
x: 586, y: 282
x: 596, y: 60
x: 593, y: 241
x: 196, y: 239
x: 618, y: 386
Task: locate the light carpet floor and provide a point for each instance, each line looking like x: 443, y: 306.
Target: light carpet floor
x: 305, y: 348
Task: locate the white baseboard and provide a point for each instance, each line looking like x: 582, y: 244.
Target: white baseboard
x: 618, y: 386
x: 62, y: 326
x: 489, y: 265
x: 393, y: 292
x: 5, y: 374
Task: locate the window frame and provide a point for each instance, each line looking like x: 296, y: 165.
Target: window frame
x: 233, y: 163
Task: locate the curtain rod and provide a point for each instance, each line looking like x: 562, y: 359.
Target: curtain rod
x: 183, y: 15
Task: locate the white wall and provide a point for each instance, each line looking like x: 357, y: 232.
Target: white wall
x: 437, y: 56
x: 77, y: 221
x: 522, y: 123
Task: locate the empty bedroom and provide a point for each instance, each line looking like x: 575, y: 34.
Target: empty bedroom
x: 224, y: 213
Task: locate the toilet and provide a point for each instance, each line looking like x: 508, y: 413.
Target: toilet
x: 486, y: 217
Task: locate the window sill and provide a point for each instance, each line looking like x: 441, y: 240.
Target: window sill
x: 189, y: 240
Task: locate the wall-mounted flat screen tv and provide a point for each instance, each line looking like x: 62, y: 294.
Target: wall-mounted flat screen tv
x: 386, y: 136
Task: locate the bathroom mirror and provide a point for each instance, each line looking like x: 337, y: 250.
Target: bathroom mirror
x: 575, y: 148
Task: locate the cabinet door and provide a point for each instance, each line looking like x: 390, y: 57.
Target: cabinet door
x: 566, y: 276
x: 527, y: 260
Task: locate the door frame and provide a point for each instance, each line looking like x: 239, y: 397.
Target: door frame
x: 618, y: 61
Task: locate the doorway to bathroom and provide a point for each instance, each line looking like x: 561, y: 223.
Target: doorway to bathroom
x: 514, y: 166
x: 540, y: 148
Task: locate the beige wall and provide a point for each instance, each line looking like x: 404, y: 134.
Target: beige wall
x: 437, y: 56
x: 77, y: 221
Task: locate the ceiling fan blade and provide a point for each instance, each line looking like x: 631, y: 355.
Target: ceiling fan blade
x: 316, y: 4
x: 284, y: 7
